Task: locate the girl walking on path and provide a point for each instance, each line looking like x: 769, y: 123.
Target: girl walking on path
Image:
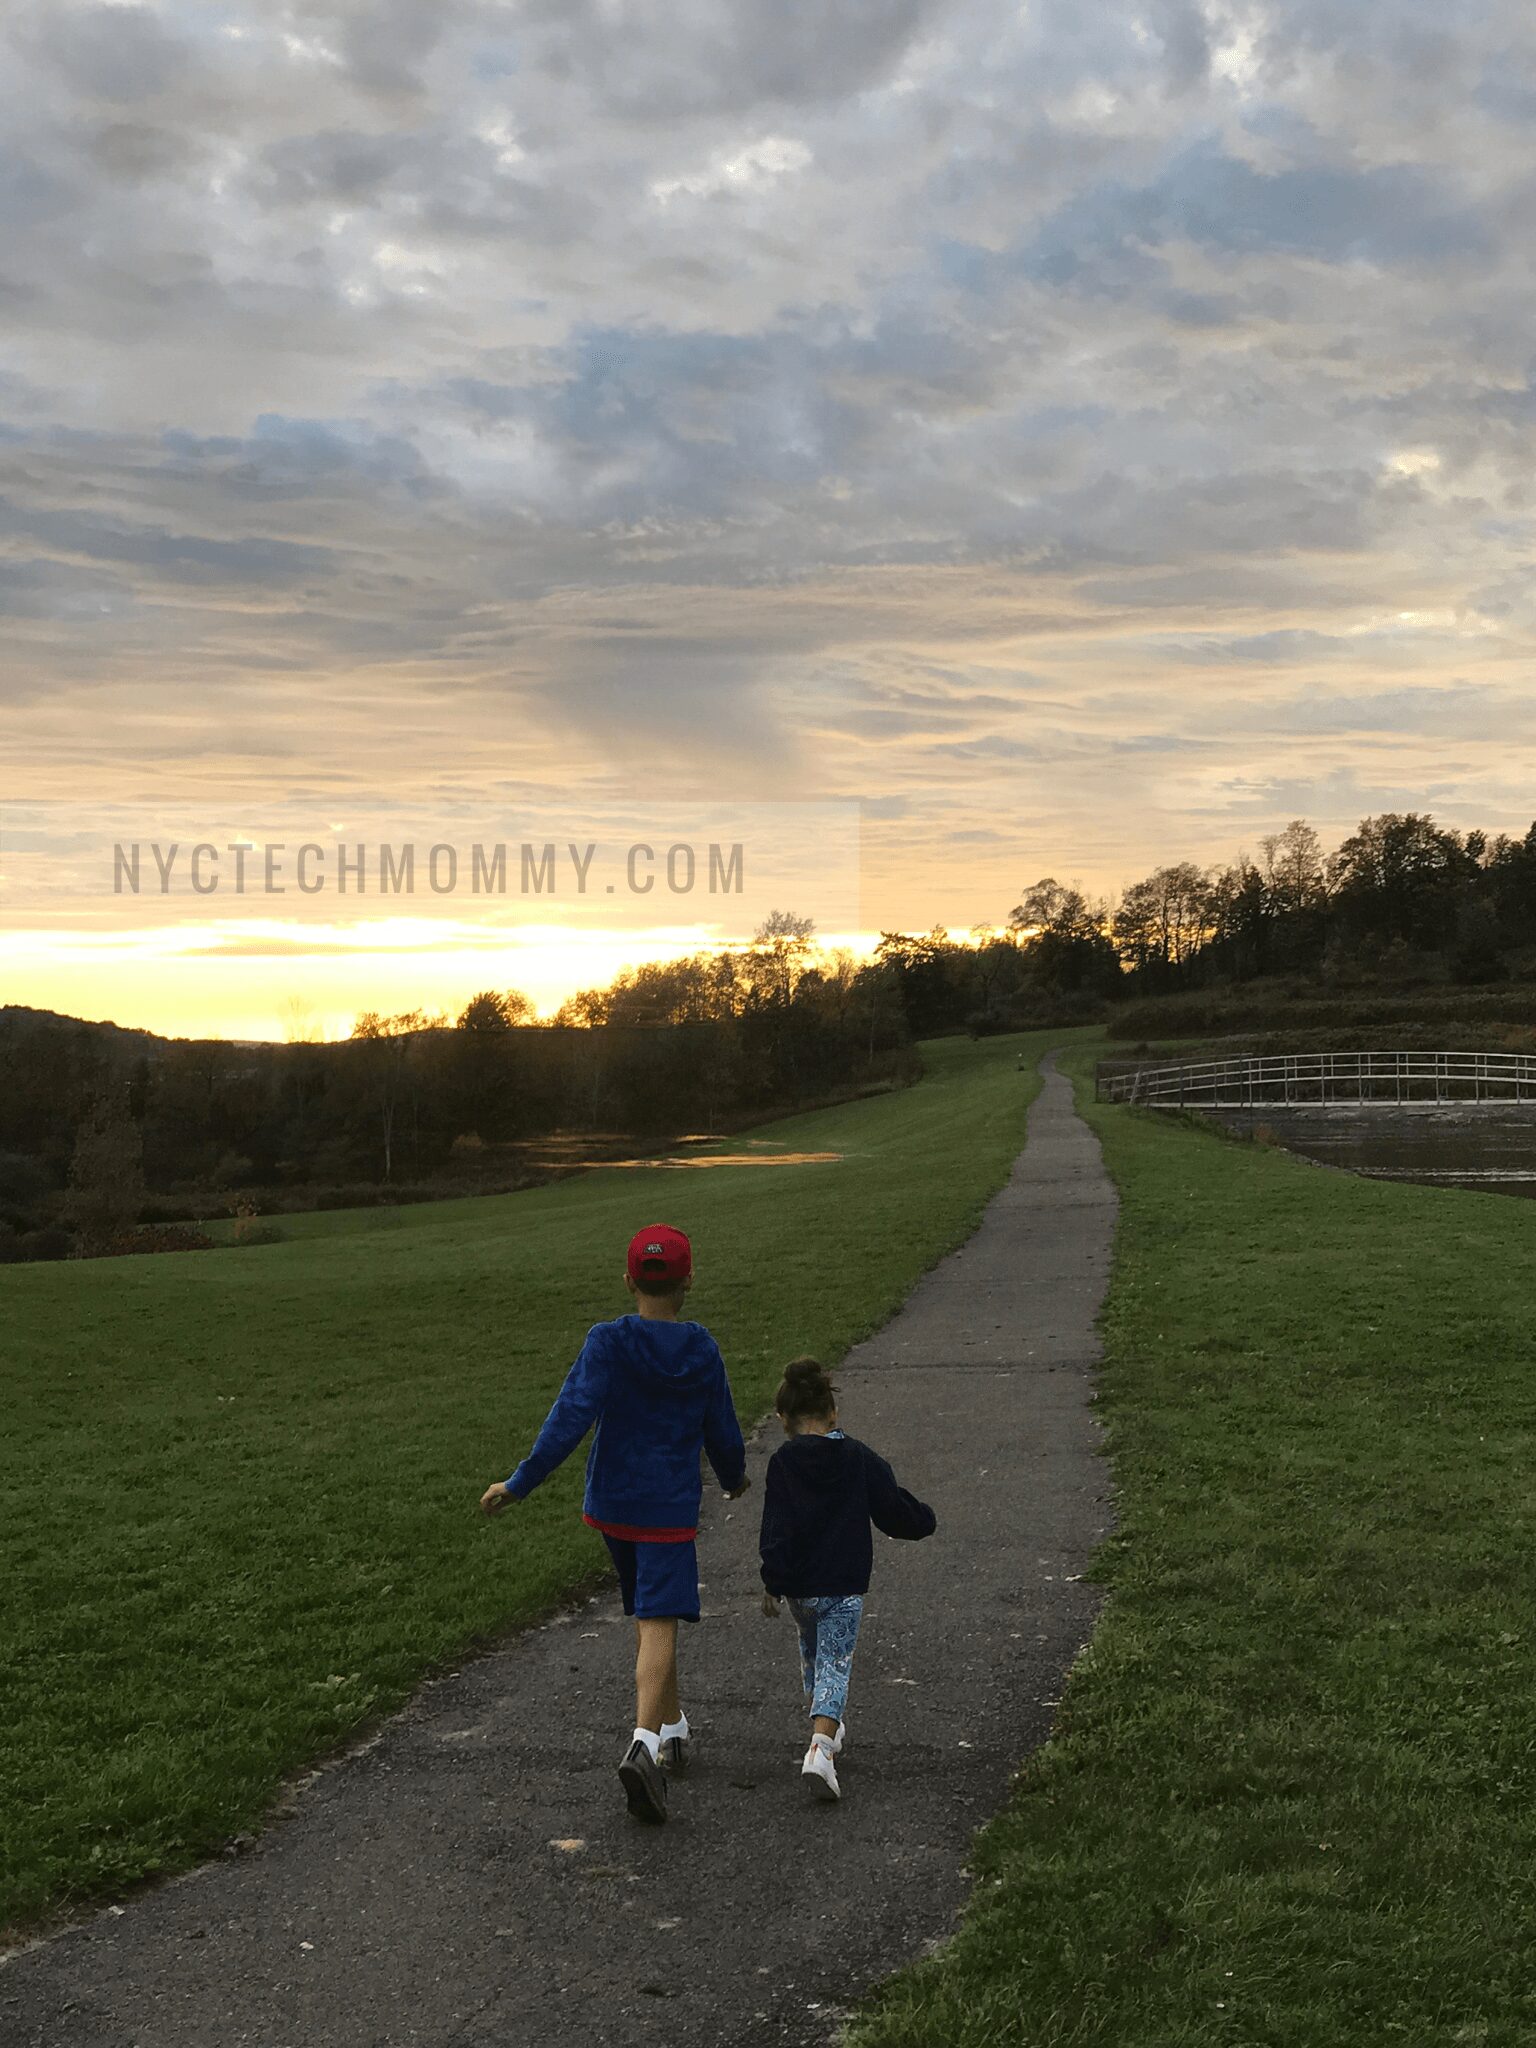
x: 823, y: 1490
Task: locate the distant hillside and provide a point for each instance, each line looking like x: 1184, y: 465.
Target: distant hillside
x: 17, y: 1017
x: 142, y: 1130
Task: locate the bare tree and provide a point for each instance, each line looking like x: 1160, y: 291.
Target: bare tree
x: 1166, y: 917
x: 992, y: 956
x: 1295, y: 873
x: 389, y: 1056
x: 300, y: 1024
x: 1037, y: 907
x: 106, y: 1175
x: 840, y: 979
x: 781, y: 943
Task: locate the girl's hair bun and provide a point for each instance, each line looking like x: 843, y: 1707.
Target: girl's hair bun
x: 806, y: 1389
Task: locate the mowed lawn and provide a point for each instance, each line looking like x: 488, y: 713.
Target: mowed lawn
x: 238, y: 1488
x: 1291, y: 1799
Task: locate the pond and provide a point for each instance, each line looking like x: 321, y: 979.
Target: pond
x: 1445, y: 1145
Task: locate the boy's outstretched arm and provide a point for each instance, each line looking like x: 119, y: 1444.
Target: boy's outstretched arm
x: 893, y: 1510
x: 723, y: 1444
x: 576, y: 1408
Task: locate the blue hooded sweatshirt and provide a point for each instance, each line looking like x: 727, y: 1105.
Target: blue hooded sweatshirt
x: 658, y: 1393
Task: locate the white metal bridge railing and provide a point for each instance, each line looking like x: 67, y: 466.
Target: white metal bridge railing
x: 1300, y: 1079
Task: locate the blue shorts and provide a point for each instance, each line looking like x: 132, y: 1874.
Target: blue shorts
x: 659, y: 1581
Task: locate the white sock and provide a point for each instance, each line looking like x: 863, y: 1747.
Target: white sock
x: 651, y: 1740
x: 677, y: 1729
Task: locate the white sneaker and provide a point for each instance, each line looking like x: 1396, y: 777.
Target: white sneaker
x: 837, y: 1740
x: 819, y: 1771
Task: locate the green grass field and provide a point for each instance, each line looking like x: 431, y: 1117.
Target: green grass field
x: 1291, y: 1799
x: 238, y: 1489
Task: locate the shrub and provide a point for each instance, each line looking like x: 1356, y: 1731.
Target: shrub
x: 106, y: 1175
x: 154, y: 1237
x: 253, y: 1231
x: 1477, y: 961
x: 22, y: 1178
x: 53, y: 1241
x: 1283, y: 1017
x: 987, y: 1023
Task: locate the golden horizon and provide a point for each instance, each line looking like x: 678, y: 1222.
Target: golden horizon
x: 197, y: 982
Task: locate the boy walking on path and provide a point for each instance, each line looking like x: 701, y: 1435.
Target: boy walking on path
x: 822, y: 1492
x: 656, y: 1389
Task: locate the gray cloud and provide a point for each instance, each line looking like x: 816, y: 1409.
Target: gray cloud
x: 1284, y: 645
x: 701, y: 57
x: 122, y: 55
x: 1449, y: 711
x: 577, y: 387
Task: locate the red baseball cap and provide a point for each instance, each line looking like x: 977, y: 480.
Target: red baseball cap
x: 659, y: 1256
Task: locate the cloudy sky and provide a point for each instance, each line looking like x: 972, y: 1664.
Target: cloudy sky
x: 1076, y: 437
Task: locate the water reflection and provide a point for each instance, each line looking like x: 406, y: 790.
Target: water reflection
x: 1443, y: 1145
x: 573, y: 1151
x: 736, y: 1159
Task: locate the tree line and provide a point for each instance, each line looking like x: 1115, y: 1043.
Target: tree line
x: 1400, y: 894
x: 1400, y: 899
x: 107, y: 1134
x: 104, y: 1133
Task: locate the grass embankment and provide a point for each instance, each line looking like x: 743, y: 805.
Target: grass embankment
x: 1296, y: 1016
x: 1291, y: 1799
x: 238, y: 1489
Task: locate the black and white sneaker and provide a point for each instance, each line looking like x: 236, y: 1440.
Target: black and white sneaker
x: 644, y: 1786
x: 674, y: 1754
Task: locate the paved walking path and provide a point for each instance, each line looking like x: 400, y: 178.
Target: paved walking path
x: 473, y: 1878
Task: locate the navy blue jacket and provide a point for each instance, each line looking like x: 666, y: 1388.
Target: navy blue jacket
x: 658, y: 1393
x: 819, y: 1498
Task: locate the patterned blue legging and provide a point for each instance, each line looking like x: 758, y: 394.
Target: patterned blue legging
x: 829, y: 1628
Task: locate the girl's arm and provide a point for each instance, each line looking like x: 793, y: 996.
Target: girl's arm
x: 893, y: 1510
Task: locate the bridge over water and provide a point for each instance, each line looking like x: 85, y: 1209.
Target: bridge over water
x: 1311, y: 1079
